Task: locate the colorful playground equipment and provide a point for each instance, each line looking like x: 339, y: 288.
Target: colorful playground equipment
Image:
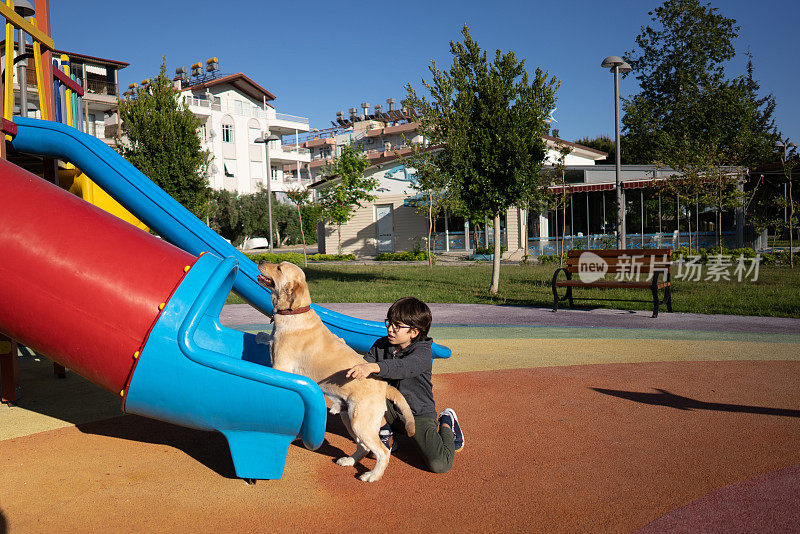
x: 140, y: 317
x: 170, y: 220
x: 77, y: 183
x: 135, y: 314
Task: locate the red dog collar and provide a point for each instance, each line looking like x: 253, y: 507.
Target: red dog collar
x: 295, y: 311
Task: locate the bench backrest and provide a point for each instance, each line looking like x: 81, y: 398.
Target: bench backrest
x: 630, y: 261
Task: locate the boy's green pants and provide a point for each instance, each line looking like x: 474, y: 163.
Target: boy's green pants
x: 437, y: 445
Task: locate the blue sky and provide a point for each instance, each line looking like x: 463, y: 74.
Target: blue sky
x: 321, y: 57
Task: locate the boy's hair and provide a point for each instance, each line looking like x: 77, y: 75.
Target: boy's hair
x: 413, y: 312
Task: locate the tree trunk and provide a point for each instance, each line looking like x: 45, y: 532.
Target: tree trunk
x: 339, y: 233
x: 430, y: 229
x: 719, y: 221
x: 496, y: 260
x: 303, y: 236
x: 563, y: 229
x: 791, y: 225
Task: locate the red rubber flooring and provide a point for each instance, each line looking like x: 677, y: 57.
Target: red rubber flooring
x: 560, y: 449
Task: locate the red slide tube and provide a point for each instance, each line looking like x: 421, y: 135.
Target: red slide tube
x: 79, y: 285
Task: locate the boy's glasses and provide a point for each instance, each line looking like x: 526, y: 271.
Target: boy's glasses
x: 395, y: 326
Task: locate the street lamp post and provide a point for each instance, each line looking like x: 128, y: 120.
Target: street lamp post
x: 786, y: 150
x: 617, y: 65
x: 266, y: 138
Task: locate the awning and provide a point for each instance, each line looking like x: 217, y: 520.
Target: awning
x: 588, y: 188
x: 579, y: 188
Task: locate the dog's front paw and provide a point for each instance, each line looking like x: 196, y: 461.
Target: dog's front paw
x: 370, y: 476
x: 346, y: 461
x: 262, y: 338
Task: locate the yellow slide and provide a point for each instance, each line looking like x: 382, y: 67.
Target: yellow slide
x: 77, y: 183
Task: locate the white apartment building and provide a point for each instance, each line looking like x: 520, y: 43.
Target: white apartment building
x: 234, y: 111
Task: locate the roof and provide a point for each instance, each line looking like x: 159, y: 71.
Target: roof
x: 239, y: 81
x: 574, y: 145
x: 376, y: 157
x: 73, y: 55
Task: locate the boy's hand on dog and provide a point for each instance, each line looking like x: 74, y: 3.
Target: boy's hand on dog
x: 262, y: 338
x: 362, y: 370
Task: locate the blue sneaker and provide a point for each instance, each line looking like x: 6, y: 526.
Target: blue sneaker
x: 386, y: 434
x: 448, y: 417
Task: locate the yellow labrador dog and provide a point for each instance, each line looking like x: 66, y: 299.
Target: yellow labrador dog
x: 303, y: 345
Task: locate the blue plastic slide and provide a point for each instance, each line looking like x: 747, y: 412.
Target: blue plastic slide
x: 139, y: 195
x: 225, y: 384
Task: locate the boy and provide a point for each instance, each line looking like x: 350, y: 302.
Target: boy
x: 403, y: 358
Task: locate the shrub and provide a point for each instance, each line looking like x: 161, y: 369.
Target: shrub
x: 546, y: 259
x: 297, y: 258
x: 409, y: 255
x: 488, y: 250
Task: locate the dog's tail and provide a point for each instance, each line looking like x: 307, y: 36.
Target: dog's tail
x: 397, y: 398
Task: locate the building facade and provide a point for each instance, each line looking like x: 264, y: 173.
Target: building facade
x: 234, y: 111
x: 393, y: 222
x: 99, y: 78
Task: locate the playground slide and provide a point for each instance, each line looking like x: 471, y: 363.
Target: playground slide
x: 140, y: 318
x: 77, y: 183
x: 170, y: 220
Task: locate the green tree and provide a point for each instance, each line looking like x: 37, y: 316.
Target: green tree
x: 490, y: 118
x: 434, y: 184
x: 604, y: 143
x: 300, y: 197
x: 560, y: 175
x: 686, y: 100
x: 160, y: 138
x: 700, y: 180
x: 348, y: 188
x: 224, y: 215
x: 788, y: 162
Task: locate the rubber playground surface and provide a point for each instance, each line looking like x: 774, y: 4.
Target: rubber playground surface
x: 582, y: 420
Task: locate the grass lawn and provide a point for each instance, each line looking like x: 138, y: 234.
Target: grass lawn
x: 776, y: 293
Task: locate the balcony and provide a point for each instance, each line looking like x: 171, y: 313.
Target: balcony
x: 282, y: 124
x: 201, y: 106
x: 291, y: 154
x: 101, y: 87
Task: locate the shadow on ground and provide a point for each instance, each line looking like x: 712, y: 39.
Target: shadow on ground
x: 208, y: 448
x: 665, y: 398
x: 72, y: 399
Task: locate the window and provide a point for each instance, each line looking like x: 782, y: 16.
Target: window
x: 92, y: 125
x: 274, y: 172
x: 238, y: 107
x: 202, y: 131
x: 230, y: 168
x: 325, y: 152
x: 255, y: 170
x: 253, y: 133
x: 227, y: 133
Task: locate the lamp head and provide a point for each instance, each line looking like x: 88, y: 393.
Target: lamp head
x: 24, y: 8
x: 615, y: 61
x: 266, y: 138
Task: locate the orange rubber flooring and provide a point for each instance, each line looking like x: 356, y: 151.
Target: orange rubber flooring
x: 586, y: 448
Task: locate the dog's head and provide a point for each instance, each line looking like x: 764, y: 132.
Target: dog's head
x: 287, y: 282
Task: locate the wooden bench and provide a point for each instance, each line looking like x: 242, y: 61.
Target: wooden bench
x: 634, y: 269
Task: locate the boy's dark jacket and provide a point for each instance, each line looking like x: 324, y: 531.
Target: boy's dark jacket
x: 409, y: 370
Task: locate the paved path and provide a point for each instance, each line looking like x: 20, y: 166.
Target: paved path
x: 576, y: 421
x: 485, y: 314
